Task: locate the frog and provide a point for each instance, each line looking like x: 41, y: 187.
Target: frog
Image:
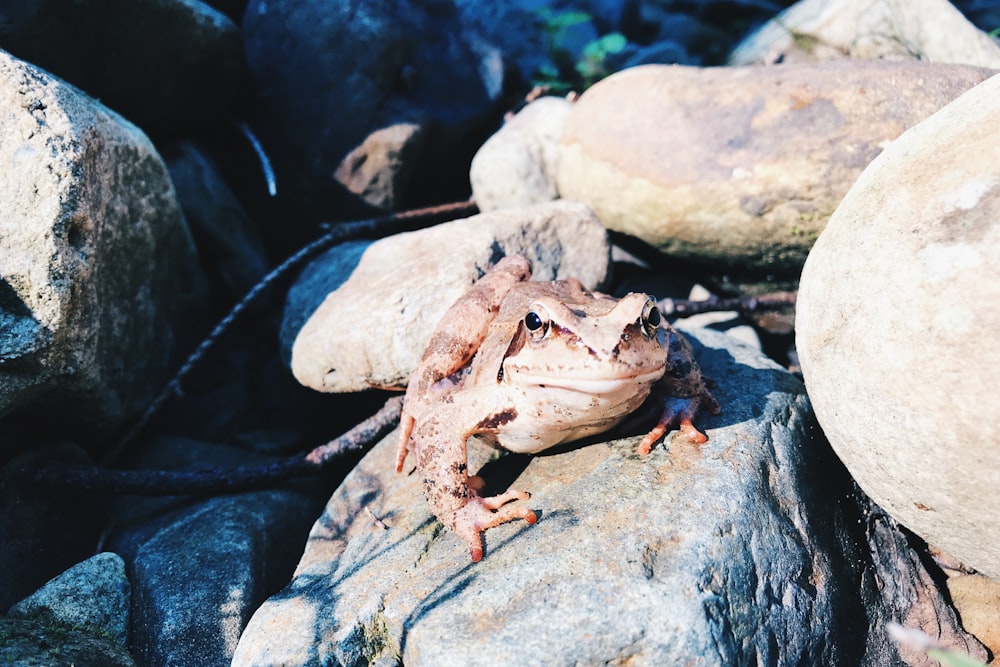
x: 527, y: 365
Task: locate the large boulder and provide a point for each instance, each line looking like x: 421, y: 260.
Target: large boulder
x: 748, y: 549
x: 740, y: 168
x: 167, y: 65
x: 99, y: 278
x: 899, y: 300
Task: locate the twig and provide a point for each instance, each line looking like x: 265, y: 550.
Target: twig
x: 383, y: 226
x: 746, y: 305
x: 215, y: 481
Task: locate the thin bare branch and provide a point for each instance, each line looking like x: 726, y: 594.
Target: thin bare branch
x: 338, y: 233
x: 218, y: 481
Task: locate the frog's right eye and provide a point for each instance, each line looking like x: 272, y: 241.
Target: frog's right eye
x: 536, y: 322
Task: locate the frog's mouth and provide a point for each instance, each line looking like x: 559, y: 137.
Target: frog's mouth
x: 585, y: 385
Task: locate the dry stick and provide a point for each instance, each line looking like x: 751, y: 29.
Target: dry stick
x: 389, y: 224
x: 229, y: 480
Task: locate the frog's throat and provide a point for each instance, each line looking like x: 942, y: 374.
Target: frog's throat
x: 596, y: 386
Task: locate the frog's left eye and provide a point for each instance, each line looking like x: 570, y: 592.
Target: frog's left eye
x: 537, y: 322
x: 650, y: 318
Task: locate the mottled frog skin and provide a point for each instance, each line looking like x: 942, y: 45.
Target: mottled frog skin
x: 529, y: 365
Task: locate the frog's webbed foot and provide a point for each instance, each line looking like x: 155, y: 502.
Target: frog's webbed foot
x: 680, y: 412
x: 480, y: 514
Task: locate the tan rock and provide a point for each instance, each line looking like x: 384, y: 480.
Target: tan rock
x: 898, y: 307
x: 740, y: 167
x: 372, y: 330
x: 517, y: 166
x: 977, y: 599
x: 926, y: 30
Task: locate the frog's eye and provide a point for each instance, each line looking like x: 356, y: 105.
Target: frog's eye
x: 650, y: 318
x: 536, y: 322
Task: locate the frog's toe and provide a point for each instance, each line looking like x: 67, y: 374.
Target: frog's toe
x: 680, y: 412
x: 480, y: 514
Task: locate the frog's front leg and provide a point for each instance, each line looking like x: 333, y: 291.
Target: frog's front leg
x: 454, y: 495
x: 682, y: 392
x: 457, y: 337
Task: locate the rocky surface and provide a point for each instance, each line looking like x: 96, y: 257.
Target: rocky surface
x: 895, y: 314
x: 29, y: 643
x: 760, y: 157
x: 925, y: 30
x: 80, y: 617
x: 168, y: 65
x: 100, y: 278
x: 518, y: 165
x: 93, y: 595
x: 346, y: 109
x: 409, y: 280
x: 199, y: 568
x: 727, y: 553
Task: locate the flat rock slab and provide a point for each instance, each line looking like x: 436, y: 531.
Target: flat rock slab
x: 734, y: 552
x: 386, y: 298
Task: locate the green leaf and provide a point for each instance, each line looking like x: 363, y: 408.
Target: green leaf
x: 953, y: 658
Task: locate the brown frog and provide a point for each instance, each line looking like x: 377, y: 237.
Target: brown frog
x: 529, y: 365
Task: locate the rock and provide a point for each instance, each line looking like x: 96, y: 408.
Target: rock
x: 925, y: 30
x: 200, y: 567
x: 977, y: 599
x: 740, y: 168
x: 517, y: 166
x: 43, y: 531
x: 337, y: 86
x: 748, y: 549
x: 898, y: 302
x: 167, y: 65
x: 388, y: 297
x: 379, y: 169
x: 37, y: 644
x: 227, y: 237
x: 99, y: 279
x: 93, y: 595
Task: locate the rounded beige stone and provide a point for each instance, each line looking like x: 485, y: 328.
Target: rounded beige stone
x: 740, y: 167
x: 898, y: 306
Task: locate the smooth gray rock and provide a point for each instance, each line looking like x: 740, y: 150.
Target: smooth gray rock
x: 369, y: 310
x: 166, y: 65
x: 228, y: 239
x: 99, y: 280
x: 899, y: 303
x: 749, y: 549
x: 93, y: 595
x: 200, y: 567
x: 517, y: 166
